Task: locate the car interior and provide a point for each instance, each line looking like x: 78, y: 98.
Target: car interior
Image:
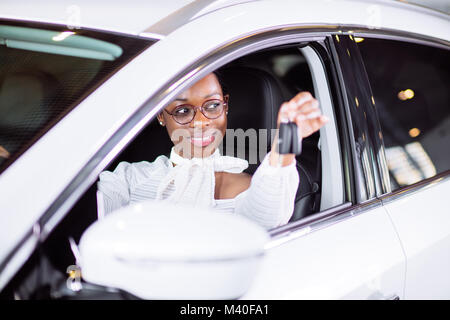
x: 258, y: 84
x: 52, y: 89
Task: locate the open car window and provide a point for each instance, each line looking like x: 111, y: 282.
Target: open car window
x: 45, y: 71
x: 257, y: 85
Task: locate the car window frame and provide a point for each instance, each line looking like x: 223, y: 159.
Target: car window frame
x: 387, y: 195
x: 270, y: 39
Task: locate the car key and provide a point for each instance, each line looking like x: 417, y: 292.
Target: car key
x: 289, y: 140
x: 296, y: 146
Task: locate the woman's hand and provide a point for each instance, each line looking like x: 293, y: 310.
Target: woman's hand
x: 304, y: 110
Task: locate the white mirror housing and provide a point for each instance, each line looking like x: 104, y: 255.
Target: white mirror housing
x: 156, y: 250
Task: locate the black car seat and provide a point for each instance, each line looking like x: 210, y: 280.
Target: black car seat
x: 28, y: 101
x: 298, y: 78
x: 150, y: 143
x: 255, y: 97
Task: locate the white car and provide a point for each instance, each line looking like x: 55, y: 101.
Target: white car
x: 81, y: 85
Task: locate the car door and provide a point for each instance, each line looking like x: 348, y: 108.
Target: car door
x: 352, y: 250
x: 409, y: 78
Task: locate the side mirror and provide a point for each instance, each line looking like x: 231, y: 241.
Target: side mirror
x: 156, y: 250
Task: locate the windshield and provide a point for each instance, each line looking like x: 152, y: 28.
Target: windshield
x: 45, y: 71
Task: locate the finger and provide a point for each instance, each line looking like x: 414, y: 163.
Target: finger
x: 292, y: 109
x: 310, y: 110
x: 284, y: 110
x: 294, y: 105
x: 301, y: 119
x: 302, y: 97
x: 320, y: 120
x: 311, y: 104
x: 306, y: 109
x: 283, y: 113
x: 317, y: 123
x: 311, y: 125
x: 311, y: 114
x: 324, y: 119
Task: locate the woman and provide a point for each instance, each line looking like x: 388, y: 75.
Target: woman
x: 196, y: 173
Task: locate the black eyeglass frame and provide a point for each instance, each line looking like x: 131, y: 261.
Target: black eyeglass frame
x: 195, y: 108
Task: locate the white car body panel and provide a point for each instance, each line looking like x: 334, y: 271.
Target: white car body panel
x: 136, y: 16
x: 358, y: 258
x: 423, y: 223
x: 130, y: 16
x: 369, y: 237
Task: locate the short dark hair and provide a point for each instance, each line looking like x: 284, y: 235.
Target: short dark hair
x: 222, y: 83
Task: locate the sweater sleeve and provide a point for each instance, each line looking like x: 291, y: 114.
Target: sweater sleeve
x: 270, y: 198
x: 114, y: 187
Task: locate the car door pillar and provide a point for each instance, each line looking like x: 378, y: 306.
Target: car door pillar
x: 362, y: 121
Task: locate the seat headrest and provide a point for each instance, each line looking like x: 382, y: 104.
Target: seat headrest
x: 255, y: 97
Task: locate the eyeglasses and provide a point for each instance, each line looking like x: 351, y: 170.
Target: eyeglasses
x: 211, y: 109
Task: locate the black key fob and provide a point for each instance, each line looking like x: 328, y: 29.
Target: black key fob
x: 284, y: 138
x: 288, y: 139
x: 296, y: 146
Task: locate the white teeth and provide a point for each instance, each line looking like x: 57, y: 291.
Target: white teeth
x: 201, y: 139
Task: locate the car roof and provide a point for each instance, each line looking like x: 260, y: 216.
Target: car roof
x: 131, y: 16
x: 159, y: 17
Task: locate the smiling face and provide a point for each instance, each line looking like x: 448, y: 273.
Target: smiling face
x: 200, y: 137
